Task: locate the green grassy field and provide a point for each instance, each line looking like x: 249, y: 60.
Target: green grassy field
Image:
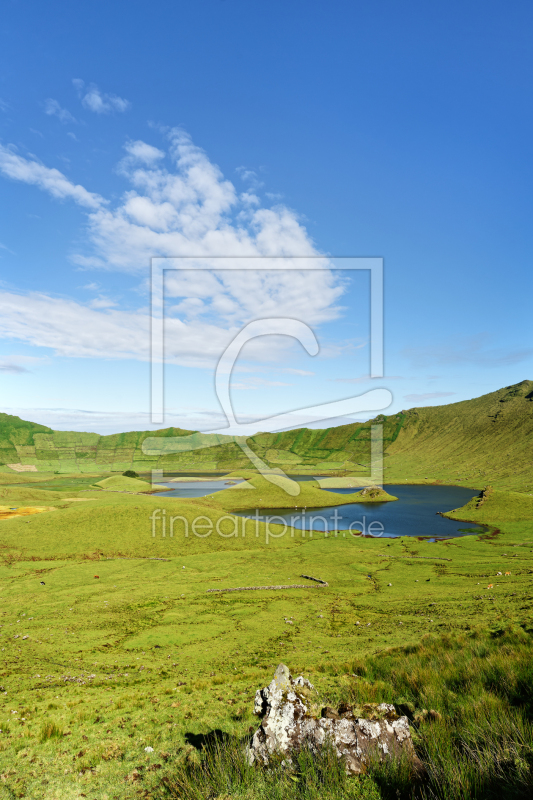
x: 96, y: 669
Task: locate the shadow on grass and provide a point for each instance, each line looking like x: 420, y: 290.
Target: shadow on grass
x: 214, y: 740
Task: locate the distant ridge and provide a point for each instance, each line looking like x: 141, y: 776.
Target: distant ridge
x: 473, y: 442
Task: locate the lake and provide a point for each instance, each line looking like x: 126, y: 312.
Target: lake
x: 413, y: 514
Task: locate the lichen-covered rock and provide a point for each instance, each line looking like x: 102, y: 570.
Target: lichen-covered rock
x: 287, y: 725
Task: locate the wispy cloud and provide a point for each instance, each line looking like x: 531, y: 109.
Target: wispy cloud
x: 257, y: 383
x: 468, y: 350
x: 18, y: 365
x: 194, y: 211
x: 302, y: 372
x: 13, y: 368
x: 415, y: 398
x: 367, y: 378
x: 52, y: 108
x: 51, y: 180
x: 103, y: 302
x: 97, y: 101
x: 250, y: 177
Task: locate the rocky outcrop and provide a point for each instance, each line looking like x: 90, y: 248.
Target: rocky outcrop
x: 484, y: 495
x: 288, y: 725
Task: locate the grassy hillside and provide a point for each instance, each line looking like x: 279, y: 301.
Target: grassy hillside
x: 495, y: 507
x: 17, y: 438
x: 475, y: 442
x: 120, y: 483
x: 485, y: 440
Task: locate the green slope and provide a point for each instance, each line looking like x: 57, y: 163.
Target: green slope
x: 474, y: 442
x: 17, y: 438
x: 119, y: 483
x: 487, y: 439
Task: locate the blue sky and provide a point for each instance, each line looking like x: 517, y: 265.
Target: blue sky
x: 261, y: 129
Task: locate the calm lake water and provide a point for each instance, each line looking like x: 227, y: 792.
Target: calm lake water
x: 413, y: 514
x: 194, y: 488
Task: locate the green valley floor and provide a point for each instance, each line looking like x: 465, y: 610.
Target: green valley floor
x: 116, y: 661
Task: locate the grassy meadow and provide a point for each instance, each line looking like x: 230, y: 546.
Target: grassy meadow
x: 111, y: 644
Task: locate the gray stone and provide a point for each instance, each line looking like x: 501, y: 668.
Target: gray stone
x: 288, y: 725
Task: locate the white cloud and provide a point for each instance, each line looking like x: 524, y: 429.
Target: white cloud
x: 51, y: 180
x: 192, y: 212
x: 102, y: 302
x: 97, y: 101
x: 97, y: 330
x: 250, y: 199
x: 301, y: 372
x: 72, y: 329
x: 427, y: 396
x: 249, y: 176
x: 257, y: 383
x: 368, y: 379
x: 141, y: 151
x: 467, y: 350
x: 52, y: 108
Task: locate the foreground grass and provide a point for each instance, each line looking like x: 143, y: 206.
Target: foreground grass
x: 95, y: 670
x: 476, y: 741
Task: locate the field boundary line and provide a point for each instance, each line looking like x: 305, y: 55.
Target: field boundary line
x: 431, y: 558
x: 321, y: 585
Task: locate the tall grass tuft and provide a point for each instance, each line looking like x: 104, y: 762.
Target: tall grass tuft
x: 223, y: 772
x: 477, y: 746
x: 51, y: 730
x: 481, y: 685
